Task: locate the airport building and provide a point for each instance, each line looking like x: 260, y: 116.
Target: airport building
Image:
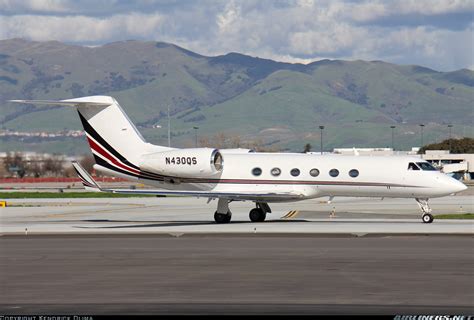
x: 461, y: 166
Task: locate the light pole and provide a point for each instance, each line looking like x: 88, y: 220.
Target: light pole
x: 421, y: 133
x: 169, y: 128
x: 450, y: 126
x: 156, y: 126
x: 196, y: 135
x: 321, y: 128
x: 393, y: 127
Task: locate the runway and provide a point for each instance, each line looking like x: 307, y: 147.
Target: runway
x: 177, y: 216
x: 167, y: 256
x: 157, y: 274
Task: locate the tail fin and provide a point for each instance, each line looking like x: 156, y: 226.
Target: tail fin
x: 111, y: 135
x: 115, y: 142
x: 87, y: 181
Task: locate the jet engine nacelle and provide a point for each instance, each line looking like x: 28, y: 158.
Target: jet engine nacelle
x: 195, y: 162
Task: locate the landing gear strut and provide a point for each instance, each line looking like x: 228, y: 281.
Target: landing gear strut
x: 427, y: 217
x: 259, y: 213
x: 223, y: 214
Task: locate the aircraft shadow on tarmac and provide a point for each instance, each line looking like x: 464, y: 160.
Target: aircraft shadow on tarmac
x: 157, y: 224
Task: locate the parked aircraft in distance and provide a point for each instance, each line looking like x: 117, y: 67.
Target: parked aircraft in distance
x: 239, y: 174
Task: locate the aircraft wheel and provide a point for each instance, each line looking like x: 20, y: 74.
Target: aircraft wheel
x: 222, y: 218
x: 257, y: 215
x: 427, y: 218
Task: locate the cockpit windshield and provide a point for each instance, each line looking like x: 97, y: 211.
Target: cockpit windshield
x: 426, y: 166
x: 413, y: 166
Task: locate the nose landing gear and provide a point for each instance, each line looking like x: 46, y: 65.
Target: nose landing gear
x: 223, y: 214
x: 223, y: 217
x: 427, y: 217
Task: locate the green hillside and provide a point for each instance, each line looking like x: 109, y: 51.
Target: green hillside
x: 279, y: 104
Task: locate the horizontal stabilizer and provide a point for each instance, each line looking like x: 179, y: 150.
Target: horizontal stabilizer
x: 71, y: 102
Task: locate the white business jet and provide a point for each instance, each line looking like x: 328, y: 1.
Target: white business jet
x: 239, y: 175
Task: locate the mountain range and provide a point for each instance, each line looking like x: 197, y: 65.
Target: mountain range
x: 280, y: 104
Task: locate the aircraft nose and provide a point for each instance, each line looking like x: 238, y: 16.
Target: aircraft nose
x: 456, y: 186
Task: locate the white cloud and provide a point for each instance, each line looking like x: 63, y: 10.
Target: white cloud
x: 329, y: 40
x: 294, y: 30
x: 79, y: 28
x: 228, y: 18
x: 367, y: 11
x: 431, y: 7
x: 370, y: 10
x: 34, y: 5
x: 438, y: 49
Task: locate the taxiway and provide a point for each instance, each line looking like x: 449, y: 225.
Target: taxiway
x: 188, y: 215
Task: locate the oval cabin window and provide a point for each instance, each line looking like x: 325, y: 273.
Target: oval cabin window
x: 275, y: 172
x: 295, y: 172
x: 334, y: 172
x: 354, y: 173
x: 256, y: 171
x: 314, y: 172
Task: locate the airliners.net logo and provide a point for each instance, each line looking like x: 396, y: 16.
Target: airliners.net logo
x: 432, y: 317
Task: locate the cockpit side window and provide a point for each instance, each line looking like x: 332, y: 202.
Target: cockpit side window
x: 426, y: 166
x: 413, y: 166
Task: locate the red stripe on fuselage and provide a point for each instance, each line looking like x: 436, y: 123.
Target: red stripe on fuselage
x: 105, y: 154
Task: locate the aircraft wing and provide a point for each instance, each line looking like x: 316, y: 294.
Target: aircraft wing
x: 91, y: 185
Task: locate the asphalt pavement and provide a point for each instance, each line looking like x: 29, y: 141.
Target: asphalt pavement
x: 236, y: 274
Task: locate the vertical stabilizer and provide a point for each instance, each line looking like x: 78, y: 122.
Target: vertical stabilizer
x: 115, y: 142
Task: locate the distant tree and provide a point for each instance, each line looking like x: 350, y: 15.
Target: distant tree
x: 235, y: 142
x: 464, y: 145
x: 69, y: 171
x: 204, y: 142
x: 307, y: 148
x: 35, y: 167
x: 53, y: 165
x: 87, y: 162
x: 15, y: 162
x: 220, y: 140
x: 259, y: 146
x: 3, y: 169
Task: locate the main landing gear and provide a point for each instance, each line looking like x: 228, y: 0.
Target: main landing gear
x: 224, y: 215
x: 427, y: 217
x: 259, y: 213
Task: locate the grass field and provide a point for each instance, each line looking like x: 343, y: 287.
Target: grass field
x: 455, y: 216
x: 57, y: 195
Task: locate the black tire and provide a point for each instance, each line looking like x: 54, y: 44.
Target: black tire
x: 257, y: 215
x: 222, y: 218
x: 427, y: 218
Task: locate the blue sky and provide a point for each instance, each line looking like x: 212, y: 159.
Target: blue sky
x: 433, y: 33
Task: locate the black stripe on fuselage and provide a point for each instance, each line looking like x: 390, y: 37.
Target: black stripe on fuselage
x: 91, y: 131
x: 105, y: 164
